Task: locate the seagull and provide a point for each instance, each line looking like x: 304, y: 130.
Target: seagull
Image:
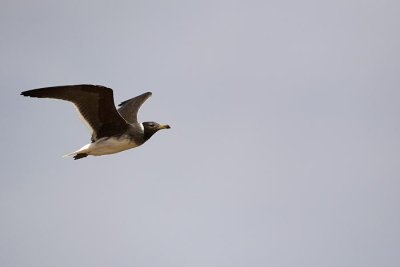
x: 112, y: 130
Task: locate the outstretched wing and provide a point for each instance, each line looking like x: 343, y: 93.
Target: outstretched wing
x: 129, y: 108
x: 95, y: 103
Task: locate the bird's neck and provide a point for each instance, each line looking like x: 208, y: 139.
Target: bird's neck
x: 147, y: 134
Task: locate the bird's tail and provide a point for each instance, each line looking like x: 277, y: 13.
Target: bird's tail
x: 81, y: 153
x: 76, y: 155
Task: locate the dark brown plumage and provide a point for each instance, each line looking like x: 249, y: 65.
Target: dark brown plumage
x: 95, y: 103
x: 112, y: 130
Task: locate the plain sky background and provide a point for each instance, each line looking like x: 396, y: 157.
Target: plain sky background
x: 285, y: 142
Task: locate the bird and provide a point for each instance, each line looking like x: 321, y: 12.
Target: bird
x: 113, y: 130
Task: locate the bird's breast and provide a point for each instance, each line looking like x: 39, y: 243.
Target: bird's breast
x: 111, y: 145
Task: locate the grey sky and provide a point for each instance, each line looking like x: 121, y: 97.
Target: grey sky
x: 284, y: 147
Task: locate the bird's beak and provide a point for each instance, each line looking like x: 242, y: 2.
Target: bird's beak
x: 164, y: 126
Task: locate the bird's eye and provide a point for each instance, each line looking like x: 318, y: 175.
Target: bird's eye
x: 151, y: 124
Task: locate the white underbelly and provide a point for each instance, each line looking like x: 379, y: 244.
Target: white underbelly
x: 106, y: 146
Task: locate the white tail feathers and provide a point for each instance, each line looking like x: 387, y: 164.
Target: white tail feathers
x: 69, y: 155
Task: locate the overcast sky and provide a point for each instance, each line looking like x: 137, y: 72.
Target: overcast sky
x: 285, y: 142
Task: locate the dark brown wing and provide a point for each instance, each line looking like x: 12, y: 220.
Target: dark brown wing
x: 95, y: 103
x: 129, y: 108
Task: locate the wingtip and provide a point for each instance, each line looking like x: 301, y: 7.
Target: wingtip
x: 27, y: 93
x: 148, y: 94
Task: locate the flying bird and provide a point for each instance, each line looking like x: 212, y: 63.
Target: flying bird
x: 112, y: 130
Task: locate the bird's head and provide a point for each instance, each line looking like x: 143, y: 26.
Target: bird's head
x: 151, y: 127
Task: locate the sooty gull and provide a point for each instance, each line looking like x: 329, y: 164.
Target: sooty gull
x: 113, y: 130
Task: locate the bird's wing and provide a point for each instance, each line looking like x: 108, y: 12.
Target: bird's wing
x: 129, y: 108
x: 95, y: 104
